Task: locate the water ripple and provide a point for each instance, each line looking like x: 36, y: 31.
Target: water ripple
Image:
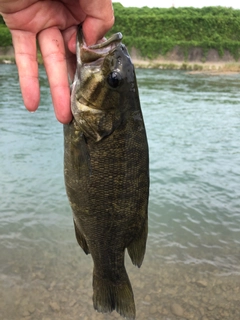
x: 193, y: 130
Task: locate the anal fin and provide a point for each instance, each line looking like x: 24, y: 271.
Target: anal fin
x: 80, y: 239
x: 137, y: 247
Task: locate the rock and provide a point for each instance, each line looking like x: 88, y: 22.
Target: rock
x: 25, y: 313
x: 217, y: 291
x: 211, y: 307
x: 189, y: 316
x: 224, y: 288
x: 72, y: 303
x: 147, y: 298
x: 177, y: 310
x: 31, y: 308
x: 64, y: 299
x: 38, y: 275
x: 41, y: 276
x: 205, y: 300
x: 140, y: 284
x: 201, y: 283
x: 165, y: 311
x: 152, y: 309
x: 202, y: 311
x: 52, y: 285
x: 54, y: 306
x: 24, y: 302
x: 17, y: 302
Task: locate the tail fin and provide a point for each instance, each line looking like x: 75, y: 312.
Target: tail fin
x: 109, y: 296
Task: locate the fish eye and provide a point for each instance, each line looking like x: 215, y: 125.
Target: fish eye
x: 114, y: 79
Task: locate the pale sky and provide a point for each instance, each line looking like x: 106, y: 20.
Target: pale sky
x: 179, y: 3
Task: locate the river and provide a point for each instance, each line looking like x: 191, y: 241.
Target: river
x: 192, y: 266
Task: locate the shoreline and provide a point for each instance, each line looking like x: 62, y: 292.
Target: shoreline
x: 211, y: 67
x: 192, y: 67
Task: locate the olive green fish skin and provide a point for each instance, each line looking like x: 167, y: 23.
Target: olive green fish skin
x: 106, y: 174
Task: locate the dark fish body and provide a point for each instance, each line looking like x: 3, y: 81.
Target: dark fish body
x: 106, y: 170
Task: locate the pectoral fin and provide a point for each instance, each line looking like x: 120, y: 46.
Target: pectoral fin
x: 96, y: 124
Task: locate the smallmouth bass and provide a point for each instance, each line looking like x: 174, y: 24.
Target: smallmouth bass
x: 106, y: 169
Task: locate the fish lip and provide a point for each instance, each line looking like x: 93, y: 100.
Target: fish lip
x: 99, y: 50
x: 116, y: 37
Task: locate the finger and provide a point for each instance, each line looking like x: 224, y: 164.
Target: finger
x: 69, y: 36
x: 99, y: 19
x: 95, y: 29
x: 53, y: 53
x: 26, y: 59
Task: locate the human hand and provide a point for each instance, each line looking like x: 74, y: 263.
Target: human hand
x: 53, y: 24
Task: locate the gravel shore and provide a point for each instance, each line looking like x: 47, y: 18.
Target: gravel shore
x: 59, y: 287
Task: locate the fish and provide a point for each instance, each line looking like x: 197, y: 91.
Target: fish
x: 106, y: 169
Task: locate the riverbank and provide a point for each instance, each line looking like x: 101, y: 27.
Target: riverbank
x: 196, y: 61
x: 216, y: 67
x: 174, y: 60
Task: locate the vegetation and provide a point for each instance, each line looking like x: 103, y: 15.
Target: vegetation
x: 5, y: 36
x: 155, y: 31
x: 1, y: 20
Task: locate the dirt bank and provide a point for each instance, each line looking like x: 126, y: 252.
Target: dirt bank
x: 7, y: 55
x: 195, y: 61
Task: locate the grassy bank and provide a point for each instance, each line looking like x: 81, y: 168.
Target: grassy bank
x: 155, y: 33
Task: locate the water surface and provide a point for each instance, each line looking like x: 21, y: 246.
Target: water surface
x: 192, y: 266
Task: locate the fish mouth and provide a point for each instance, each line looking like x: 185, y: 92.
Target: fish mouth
x: 88, y: 54
x: 116, y: 37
